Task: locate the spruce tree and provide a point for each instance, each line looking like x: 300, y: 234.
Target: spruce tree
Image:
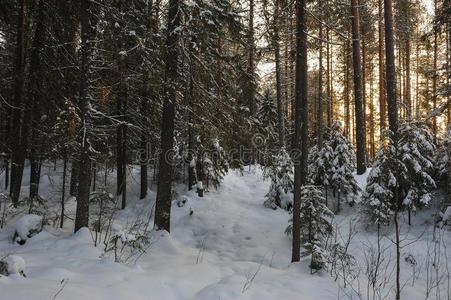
x: 280, y: 172
x: 406, y: 170
x: 343, y: 165
x: 416, y: 152
x: 320, y: 166
x: 443, y: 159
x: 377, y: 199
x: 315, y: 225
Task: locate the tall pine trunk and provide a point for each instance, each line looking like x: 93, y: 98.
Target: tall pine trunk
x: 121, y: 107
x: 358, y: 105
x: 35, y: 95
x: 301, y: 124
x: 417, y: 82
x: 448, y: 73
x: 250, y: 88
x: 390, y: 67
x: 280, y: 114
x: 18, y: 154
x: 372, y: 147
x: 145, y: 113
x: 73, y: 189
x: 329, y: 80
x: 319, y: 117
x: 407, y: 93
x: 164, y: 192
x: 144, y: 151
x: 392, y: 118
x: 435, y: 76
x: 87, y: 25
x: 347, y: 91
x: 382, y: 101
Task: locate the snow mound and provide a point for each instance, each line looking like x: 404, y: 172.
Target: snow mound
x: 26, y: 227
x: 12, y: 264
x: 165, y: 243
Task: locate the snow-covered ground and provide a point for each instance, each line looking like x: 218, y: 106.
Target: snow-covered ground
x: 231, y: 247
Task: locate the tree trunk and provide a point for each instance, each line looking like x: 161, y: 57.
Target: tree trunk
x: 400, y: 96
x: 6, y: 161
x: 280, y: 114
x: 372, y: 123
x: 34, y: 100
x: 359, y: 113
x: 63, y: 190
x: 250, y: 89
x: 191, y: 150
x: 364, y: 95
x: 164, y: 192
x: 144, y: 151
x: 392, y: 117
x: 390, y: 67
x: 119, y: 162
x: 35, y: 175
x: 328, y: 79
x: 398, y: 255
x: 407, y: 93
x: 74, y: 178
x: 87, y: 24
x: 319, y: 117
x: 448, y: 74
x: 94, y: 176
x: 301, y: 123
x: 435, y: 77
x: 347, y: 92
x: 417, y: 82
x: 287, y: 79
x: 382, y: 102
x: 18, y: 154
x: 69, y: 56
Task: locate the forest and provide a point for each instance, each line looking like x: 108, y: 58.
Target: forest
x: 225, y: 149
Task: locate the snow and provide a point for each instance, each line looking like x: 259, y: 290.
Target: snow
x: 210, y: 255
x: 231, y: 247
x: 15, y: 264
x: 28, y: 225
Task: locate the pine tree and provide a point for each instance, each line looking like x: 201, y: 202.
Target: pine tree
x: 315, y: 225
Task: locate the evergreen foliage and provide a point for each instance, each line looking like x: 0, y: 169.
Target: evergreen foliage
x: 280, y: 172
x: 315, y: 227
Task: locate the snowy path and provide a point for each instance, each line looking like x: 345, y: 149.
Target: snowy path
x: 210, y: 255
x: 239, y: 227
